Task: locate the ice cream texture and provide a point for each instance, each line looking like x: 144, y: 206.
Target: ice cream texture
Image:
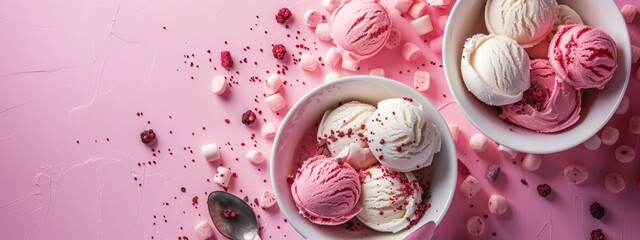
x: 526, y: 22
x: 566, y: 15
x: 327, y: 191
x: 495, y: 69
x: 549, y: 105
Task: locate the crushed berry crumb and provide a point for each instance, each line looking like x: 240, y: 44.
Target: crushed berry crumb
x: 493, y: 171
x: 544, y: 190
x: 148, y: 136
x: 462, y: 169
x: 597, y: 211
x: 228, y: 213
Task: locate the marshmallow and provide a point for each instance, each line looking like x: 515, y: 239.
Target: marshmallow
x: 479, y: 142
x: 635, y: 53
x: 531, y: 161
x: 422, y: 25
x: 402, y: 5
x: 576, y: 173
x: 268, y: 130
x: 436, y: 45
x: 331, y: 57
x: 455, y: 131
x: 498, y: 204
x: 609, y: 136
x: 624, y: 106
x: 204, y: 231
x: 272, y: 84
x: 330, y: 5
x: 508, y: 152
x: 634, y: 125
x: 421, y: 80
x: 312, y: 18
x: 268, y: 199
x: 470, y: 186
x: 625, y: 153
x: 628, y: 12
x: 394, y: 39
x: 276, y: 102
x: 211, y: 152
x: 219, y: 84
x: 377, y: 72
x: 475, y: 225
x: 418, y: 9
x: 438, y: 3
x: 330, y: 77
x: 223, y: 176
x: 322, y: 32
x: 593, y: 143
x: 442, y: 21
x: 493, y: 171
x: 410, y: 52
x: 614, y: 183
x: 255, y: 156
x: 308, y: 62
x: 350, y: 64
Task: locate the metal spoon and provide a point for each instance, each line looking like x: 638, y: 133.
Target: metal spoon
x: 241, y: 227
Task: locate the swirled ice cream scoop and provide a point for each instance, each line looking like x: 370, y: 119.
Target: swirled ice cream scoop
x: 566, y: 15
x: 526, y: 22
x: 401, y: 135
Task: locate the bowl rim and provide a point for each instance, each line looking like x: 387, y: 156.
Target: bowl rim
x: 446, y: 134
x: 450, y: 71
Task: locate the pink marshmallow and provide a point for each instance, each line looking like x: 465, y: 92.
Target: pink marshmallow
x: 255, y: 156
x: 576, y: 173
x: 268, y: 199
x: 210, y: 152
x: 508, y: 152
x: 634, y: 125
x: 350, y: 64
x: 439, y: 3
x: 475, y: 225
x: 394, y: 39
x: 624, y: 106
x: 635, y: 53
x: 377, y: 72
x: 312, y: 18
x: 442, y: 22
x: 330, y: 77
x: 204, y: 231
x: 469, y: 187
x: 223, y: 176
x: 436, y: 45
x: 308, y: 62
x: 531, y: 162
x: 455, y: 131
x: 498, y: 204
x: 402, y: 5
x: 614, y: 183
x: 628, y: 12
x: 593, y: 143
x: 219, y: 84
x: 410, y: 52
x: 422, y: 25
x: 322, y: 32
x: 625, y: 153
x: 268, y: 130
x: 272, y: 84
x: 421, y: 81
x: 478, y: 142
x: 276, y: 102
x: 330, y: 5
x: 418, y: 9
x: 331, y: 57
x: 609, y: 135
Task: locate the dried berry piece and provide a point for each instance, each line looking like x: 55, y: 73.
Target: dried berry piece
x: 225, y: 59
x: 597, y: 211
x: 597, y: 234
x: 493, y: 171
x: 283, y: 15
x: 544, y: 190
x: 323, y: 150
x: 462, y: 169
x: 228, y: 213
x: 279, y: 51
x: 248, y: 117
x: 147, y: 136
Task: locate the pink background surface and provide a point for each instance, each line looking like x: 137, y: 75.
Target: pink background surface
x: 76, y: 72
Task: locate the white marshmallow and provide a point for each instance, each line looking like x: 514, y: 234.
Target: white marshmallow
x: 436, y: 45
x: 322, y: 32
x: 635, y: 53
x: 609, y: 136
x: 629, y: 12
x: 455, y: 131
x: 593, y: 143
x: 211, y: 152
x: 576, y: 173
x: 418, y: 9
x: 255, y: 156
x: 312, y: 18
x: 442, y: 21
x: 531, y: 162
x: 268, y: 199
x: 438, y: 3
x: 268, y: 130
x: 276, y: 102
x: 272, y: 84
x: 614, y: 183
x: 330, y: 77
x: 308, y: 62
x: 395, y: 37
x: 350, y: 64
x: 422, y: 25
x: 634, y: 125
x: 508, y: 152
x: 475, y: 225
x: 219, y: 84
x: 421, y: 80
x: 498, y: 204
x: 410, y: 52
x: 469, y: 187
x: 625, y: 153
x: 377, y: 72
x: 204, y: 231
x: 402, y: 5
x: 223, y: 176
x: 624, y: 106
x: 479, y: 142
x: 330, y: 5
x: 331, y: 58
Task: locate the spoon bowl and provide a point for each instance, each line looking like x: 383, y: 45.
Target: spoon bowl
x: 241, y: 226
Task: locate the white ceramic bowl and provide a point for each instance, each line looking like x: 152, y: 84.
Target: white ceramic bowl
x: 467, y: 19
x: 309, y: 109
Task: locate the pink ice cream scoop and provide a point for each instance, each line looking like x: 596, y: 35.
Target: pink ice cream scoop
x: 548, y: 105
x: 360, y: 28
x: 583, y: 56
x: 327, y: 191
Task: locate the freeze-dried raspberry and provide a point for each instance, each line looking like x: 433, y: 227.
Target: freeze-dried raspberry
x: 597, y: 211
x: 597, y: 234
x: 544, y: 190
x: 225, y: 59
x: 283, y: 15
x: 462, y: 169
x: 248, y: 117
x: 148, y: 136
x: 279, y: 51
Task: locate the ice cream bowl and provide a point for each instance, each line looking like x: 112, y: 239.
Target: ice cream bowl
x: 467, y: 19
x: 306, y: 112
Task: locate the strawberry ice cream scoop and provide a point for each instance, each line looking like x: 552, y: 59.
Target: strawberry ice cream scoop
x: 583, y: 56
x: 548, y: 105
x: 327, y: 191
x: 360, y: 28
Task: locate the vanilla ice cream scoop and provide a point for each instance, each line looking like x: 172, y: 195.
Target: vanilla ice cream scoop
x: 495, y: 69
x: 566, y: 15
x: 527, y: 22
x: 401, y: 135
x: 344, y: 125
